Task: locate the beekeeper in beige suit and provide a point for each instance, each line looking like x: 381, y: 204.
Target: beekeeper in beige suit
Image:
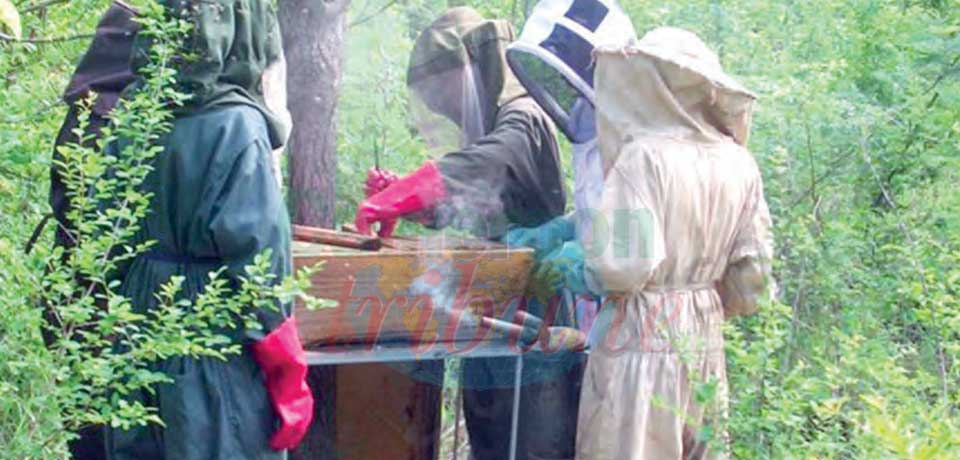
x: 680, y: 241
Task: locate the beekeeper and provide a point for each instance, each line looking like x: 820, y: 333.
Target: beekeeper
x: 216, y: 203
x: 498, y: 166
x: 680, y: 241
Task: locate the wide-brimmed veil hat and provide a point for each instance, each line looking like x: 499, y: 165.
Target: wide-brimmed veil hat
x: 679, y: 62
x: 685, y: 49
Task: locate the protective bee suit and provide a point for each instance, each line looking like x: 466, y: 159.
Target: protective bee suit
x: 216, y: 204
x: 681, y: 241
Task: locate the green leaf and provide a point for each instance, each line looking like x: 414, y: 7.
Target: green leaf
x: 10, y: 18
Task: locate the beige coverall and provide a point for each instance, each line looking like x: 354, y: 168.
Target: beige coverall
x: 680, y: 241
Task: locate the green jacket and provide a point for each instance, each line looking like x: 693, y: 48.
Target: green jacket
x: 215, y: 203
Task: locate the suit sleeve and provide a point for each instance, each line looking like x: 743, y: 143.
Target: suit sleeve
x: 250, y: 218
x: 510, y: 176
x: 747, y: 276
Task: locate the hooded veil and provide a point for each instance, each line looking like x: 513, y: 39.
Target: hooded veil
x: 230, y: 48
x: 501, y: 164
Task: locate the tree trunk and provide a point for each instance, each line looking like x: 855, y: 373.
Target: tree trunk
x: 353, y: 419
x: 313, y: 33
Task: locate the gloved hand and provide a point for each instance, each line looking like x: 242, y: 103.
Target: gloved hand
x: 378, y: 180
x: 543, y: 239
x: 562, y: 268
x: 422, y: 190
x: 566, y: 339
x: 283, y: 362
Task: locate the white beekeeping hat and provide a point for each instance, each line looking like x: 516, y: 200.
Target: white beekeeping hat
x: 553, y: 57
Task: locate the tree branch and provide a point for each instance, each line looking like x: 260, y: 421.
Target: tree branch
x: 11, y: 39
x: 41, y: 5
x: 952, y: 67
x: 374, y: 14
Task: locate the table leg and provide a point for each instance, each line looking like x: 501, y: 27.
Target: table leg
x: 515, y: 419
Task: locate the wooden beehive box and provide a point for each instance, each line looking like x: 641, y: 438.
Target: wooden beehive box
x: 411, y: 289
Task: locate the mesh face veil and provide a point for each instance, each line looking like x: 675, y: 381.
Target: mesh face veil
x: 458, y: 78
x: 554, y: 56
x: 447, y: 110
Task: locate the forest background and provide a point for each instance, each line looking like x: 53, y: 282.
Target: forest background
x: 857, y: 131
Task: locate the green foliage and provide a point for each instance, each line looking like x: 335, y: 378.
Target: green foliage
x: 856, y: 130
x: 372, y: 115
x: 32, y: 78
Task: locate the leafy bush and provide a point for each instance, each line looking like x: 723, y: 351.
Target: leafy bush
x: 857, y: 133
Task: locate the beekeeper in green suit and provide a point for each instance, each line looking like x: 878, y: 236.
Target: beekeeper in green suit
x: 217, y: 204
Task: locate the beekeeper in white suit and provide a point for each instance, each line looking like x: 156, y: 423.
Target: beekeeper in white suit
x: 681, y: 240
x: 553, y: 59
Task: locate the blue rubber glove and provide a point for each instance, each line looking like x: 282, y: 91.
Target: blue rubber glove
x: 543, y: 239
x: 562, y: 268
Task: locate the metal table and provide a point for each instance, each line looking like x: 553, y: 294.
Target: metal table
x: 405, y: 352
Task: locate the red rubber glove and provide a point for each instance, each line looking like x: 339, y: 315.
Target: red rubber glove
x: 422, y: 190
x: 378, y: 180
x: 281, y: 357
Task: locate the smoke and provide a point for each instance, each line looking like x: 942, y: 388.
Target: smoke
x: 441, y: 283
